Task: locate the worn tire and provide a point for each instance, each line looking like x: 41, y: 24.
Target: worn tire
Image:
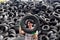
x: 22, y: 23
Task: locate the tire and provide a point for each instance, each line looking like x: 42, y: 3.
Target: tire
x: 35, y: 21
x: 43, y: 37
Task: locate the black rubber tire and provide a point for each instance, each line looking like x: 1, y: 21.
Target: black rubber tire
x: 43, y: 37
x: 33, y: 17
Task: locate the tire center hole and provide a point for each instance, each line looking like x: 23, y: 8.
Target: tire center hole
x: 44, y: 38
